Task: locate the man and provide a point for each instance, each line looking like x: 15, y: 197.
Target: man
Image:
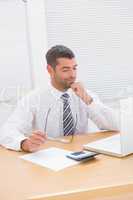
x: 63, y: 109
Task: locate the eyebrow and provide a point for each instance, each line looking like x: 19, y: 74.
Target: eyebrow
x: 66, y: 67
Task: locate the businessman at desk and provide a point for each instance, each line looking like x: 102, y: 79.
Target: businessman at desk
x: 63, y: 109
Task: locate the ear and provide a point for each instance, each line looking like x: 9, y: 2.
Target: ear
x: 49, y: 68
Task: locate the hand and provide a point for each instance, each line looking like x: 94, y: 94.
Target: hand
x: 81, y: 92
x: 34, y: 141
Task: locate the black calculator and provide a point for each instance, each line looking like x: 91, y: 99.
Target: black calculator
x: 81, y: 155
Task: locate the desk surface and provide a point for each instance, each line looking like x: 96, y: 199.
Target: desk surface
x: 20, y: 179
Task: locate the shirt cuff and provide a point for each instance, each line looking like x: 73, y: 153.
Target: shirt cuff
x: 14, y: 144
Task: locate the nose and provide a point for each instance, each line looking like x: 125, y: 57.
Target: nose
x: 73, y: 74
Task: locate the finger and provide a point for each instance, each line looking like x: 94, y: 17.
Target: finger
x: 83, y: 94
x: 38, y: 135
x: 44, y: 135
x: 74, y: 86
x: 37, y: 138
x: 77, y: 87
x: 41, y: 133
x: 36, y: 142
x: 34, y: 147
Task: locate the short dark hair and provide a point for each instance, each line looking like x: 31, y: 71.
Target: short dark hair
x: 58, y: 51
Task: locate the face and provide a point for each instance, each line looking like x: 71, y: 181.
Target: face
x: 64, y: 73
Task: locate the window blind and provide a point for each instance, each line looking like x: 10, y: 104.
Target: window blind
x: 101, y: 35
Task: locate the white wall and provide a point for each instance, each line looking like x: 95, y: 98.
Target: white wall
x: 15, y: 66
x: 25, y: 19
x: 38, y: 41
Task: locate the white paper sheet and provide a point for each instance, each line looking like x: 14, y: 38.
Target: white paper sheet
x: 52, y: 158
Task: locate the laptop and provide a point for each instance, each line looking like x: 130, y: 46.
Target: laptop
x: 121, y: 144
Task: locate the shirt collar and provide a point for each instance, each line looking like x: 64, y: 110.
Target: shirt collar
x: 57, y: 93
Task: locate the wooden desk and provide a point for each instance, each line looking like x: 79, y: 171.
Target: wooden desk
x: 102, y: 178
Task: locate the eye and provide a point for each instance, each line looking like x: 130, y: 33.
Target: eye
x: 65, y: 70
x: 75, y: 68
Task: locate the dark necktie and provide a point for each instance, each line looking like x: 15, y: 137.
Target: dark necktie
x: 68, y: 121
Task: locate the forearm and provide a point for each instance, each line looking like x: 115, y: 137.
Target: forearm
x: 103, y: 116
x: 11, y: 137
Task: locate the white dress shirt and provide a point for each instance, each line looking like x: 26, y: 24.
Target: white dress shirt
x: 43, y: 110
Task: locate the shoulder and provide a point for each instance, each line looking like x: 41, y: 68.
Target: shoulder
x: 33, y: 98
x: 36, y: 93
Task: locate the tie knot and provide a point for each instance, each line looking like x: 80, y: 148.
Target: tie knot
x: 65, y: 97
